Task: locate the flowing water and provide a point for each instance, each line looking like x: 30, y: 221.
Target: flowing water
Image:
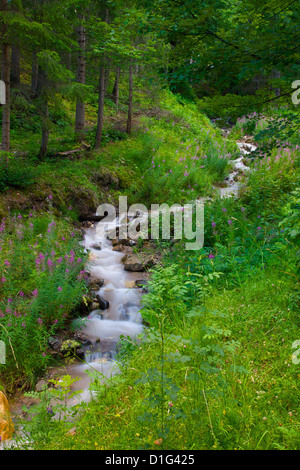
x: 123, y: 317
x: 104, y: 328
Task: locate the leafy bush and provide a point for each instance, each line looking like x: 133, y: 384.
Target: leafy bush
x: 42, y: 280
x: 15, y: 173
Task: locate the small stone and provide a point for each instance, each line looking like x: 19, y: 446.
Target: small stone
x: 41, y: 385
x: 95, y: 306
x: 54, y: 343
x: 96, y: 246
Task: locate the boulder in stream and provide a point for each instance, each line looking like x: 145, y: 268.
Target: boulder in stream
x: 137, y: 263
x: 103, y: 304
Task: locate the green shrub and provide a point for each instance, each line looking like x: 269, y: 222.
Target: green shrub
x: 15, y: 173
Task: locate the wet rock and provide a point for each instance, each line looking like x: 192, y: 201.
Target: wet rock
x: 118, y: 248
x: 41, y: 385
x: 103, y: 304
x: 96, y: 246
x: 96, y: 284
x: 95, y: 306
x: 54, y: 343
x: 79, y: 353
x: 81, y: 338
x: 124, y: 242
x: 137, y: 263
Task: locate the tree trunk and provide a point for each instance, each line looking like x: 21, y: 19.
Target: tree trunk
x: 129, y: 118
x: 34, y: 73
x: 81, y: 76
x: 5, y: 76
x: 45, y: 127
x: 116, y: 89
x: 103, y: 80
x: 100, y: 108
x: 44, y: 110
x: 15, y: 72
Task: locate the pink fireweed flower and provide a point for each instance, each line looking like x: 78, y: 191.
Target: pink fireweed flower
x: 59, y: 289
x: 35, y: 293
x: 40, y: 321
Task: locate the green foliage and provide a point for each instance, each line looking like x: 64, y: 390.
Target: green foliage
x: 13, y: 174
x: 42, y: 281
x: 291, y: 221
x: 227, y: 108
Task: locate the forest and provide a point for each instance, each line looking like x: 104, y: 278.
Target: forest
x: 149, y: 226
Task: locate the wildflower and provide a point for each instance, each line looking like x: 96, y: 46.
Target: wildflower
x: 258, y: 228
x: 229, y: 222
x: 213, y: 224
x: 211, y: 256
x: 21, y: 294
x: 224, y: 209
x: 40, y: 321
x: 59, y: 289
x: 35, y: 293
